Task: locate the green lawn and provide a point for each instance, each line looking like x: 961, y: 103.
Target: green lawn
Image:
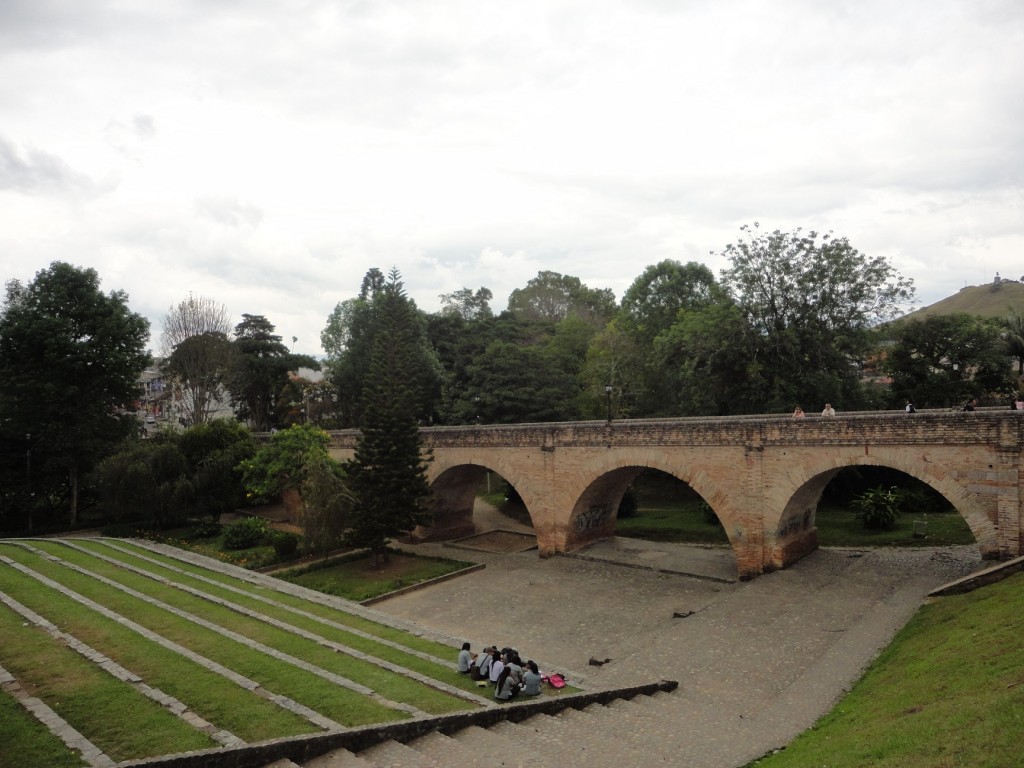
x: 357, y: 579
x: 682, y: 521
x: 838, y: 527
x: 948, y: 691
x: 678, y: 520
x: 126, y: 725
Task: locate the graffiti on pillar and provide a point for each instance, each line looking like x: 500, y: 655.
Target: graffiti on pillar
x: 594, y: 517
x: 796, y: 523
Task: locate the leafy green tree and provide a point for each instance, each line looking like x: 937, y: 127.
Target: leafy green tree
x: 810, y: 301
x: 328, y: 502
x: 1013, y: 336
x: 551, y: 297
x: 387, y: 476
x: 279, y: 464
x: 346, y: 339
x: 198, y: 367
x: 259, y: 370
x: 516, y: 383
x: 467, y: 304
x: 214, y: 451
x: 146, y: 480
x: 944, y: 360
x: 651, y: 306
x: 615, y: 360
x: 70, y: 358
x: 652, y: 303
x: 709, y: 363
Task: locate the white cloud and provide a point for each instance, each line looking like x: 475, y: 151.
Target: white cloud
x: 268, y: 155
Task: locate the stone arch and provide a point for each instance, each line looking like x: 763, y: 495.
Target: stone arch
x: 793, y: 530
x: 453, y: 487
x: 596, y: 504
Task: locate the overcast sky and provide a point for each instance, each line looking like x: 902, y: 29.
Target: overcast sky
x: 267, y: 154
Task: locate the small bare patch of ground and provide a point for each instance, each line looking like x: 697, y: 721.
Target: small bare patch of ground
x: 504, y: 542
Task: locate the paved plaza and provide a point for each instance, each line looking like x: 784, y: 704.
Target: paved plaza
x: 757, y: 662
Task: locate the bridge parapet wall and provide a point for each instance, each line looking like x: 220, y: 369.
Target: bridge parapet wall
x: 1003, y: 428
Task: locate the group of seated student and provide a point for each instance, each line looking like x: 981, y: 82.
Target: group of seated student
x: 503, y: 668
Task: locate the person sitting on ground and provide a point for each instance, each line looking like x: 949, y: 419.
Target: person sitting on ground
x: 516, y: 665
x: 970, y: 404
x: 497, y: 666
x: 531, y: 679
x: 829, y: 411
x: 465, y: 660
x: 481, y: 670
x: 504, y: 687
x: 910, y: 407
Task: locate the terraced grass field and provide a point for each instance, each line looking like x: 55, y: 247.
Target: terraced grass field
x: 129, y: 650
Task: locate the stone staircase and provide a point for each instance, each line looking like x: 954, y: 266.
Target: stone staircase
x: 594, y: 736
x: 592, y: 729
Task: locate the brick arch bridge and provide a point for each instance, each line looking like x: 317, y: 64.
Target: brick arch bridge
x: 763, y: 476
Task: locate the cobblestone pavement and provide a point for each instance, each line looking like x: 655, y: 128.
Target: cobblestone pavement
x: 757, y: 662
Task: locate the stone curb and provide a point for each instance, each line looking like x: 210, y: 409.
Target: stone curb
x: 424, y: 584
x: 978, y: 579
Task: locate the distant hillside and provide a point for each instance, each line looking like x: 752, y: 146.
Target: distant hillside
x: 991, y: 300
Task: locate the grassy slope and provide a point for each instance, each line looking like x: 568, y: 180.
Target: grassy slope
x: 949, y: 691
x: 988, y: 300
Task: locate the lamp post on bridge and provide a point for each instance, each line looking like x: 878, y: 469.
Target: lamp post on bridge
x: 608, y: 399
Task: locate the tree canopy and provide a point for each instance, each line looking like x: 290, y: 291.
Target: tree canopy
x: 944, y: 360
x: 810, y: 301
x: 259, y: 369
x: 70, y: 358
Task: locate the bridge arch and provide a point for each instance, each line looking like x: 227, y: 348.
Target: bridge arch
x: 793, y: 526
x: 595, y: 507
x: 454, y: 483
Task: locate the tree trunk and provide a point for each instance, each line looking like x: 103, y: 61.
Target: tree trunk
x: 73, y: 484
x: 293, y: 504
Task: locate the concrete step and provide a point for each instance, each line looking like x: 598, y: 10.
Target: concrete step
x: 487, y: 743
x: 594, y: 737
x: 444, y: 750
x: 392, y: 754
x: 339, y: 758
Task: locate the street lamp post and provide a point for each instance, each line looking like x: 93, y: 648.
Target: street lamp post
x: 608, y: 399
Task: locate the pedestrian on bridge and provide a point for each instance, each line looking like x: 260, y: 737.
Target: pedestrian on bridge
x: 829, y: 412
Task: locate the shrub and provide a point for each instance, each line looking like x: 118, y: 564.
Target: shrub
x: 246, y: 533
x: 280, y: 463
x: 285, y: 544
x: 878, y: 507
x: 207, y: 529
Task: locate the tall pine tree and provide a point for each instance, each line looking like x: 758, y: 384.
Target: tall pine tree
x: 387, y: 476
